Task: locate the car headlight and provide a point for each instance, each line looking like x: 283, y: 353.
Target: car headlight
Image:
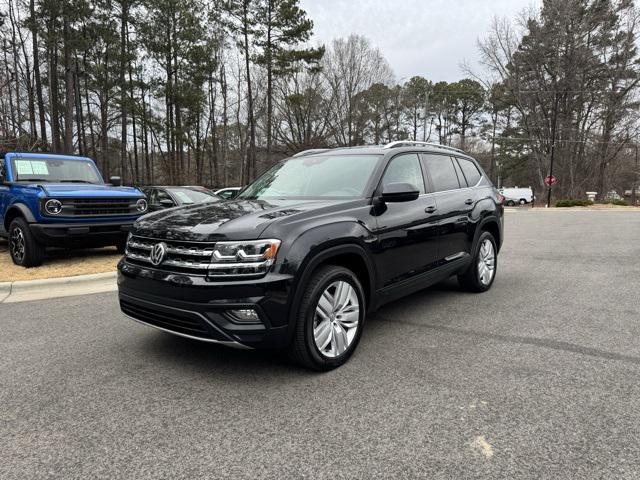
x: 53, y: 206
x: 142, y: 205
x: 243, y: 258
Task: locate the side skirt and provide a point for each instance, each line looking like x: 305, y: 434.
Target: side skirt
x: 422, y: 281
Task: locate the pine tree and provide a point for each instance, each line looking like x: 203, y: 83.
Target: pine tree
x: 281, y: 27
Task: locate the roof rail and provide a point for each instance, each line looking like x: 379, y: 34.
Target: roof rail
x: 312, y: 151
x: 400, y: 143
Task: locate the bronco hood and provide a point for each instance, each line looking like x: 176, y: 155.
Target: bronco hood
x: 73, y: 190
x: 215, y: 221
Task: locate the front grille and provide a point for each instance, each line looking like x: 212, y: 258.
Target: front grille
x: 102, y: 207
x: 191, y: 258
x: 181, y: 257
x: 178, y: 321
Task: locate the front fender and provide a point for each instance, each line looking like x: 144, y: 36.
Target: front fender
x: 319, y: 244
x: 22, y: 210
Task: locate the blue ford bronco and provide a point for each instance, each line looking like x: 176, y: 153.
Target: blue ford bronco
x: 62, y: 201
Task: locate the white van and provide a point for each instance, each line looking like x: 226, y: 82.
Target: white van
x: 517, y: 196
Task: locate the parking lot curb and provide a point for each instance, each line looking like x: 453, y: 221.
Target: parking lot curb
x: 5, y: 290
x: 28, y: 290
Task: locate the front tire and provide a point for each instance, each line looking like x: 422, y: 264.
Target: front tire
x: 481, y: 273
x: 330, y: 319
x: 24, y: 249
x: 121, y: 246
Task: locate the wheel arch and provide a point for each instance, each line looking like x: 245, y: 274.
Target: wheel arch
x: 17, y: 210
x: 491, y: 225
x: 349, y: 255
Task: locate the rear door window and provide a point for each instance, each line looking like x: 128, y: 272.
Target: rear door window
x: 470, y: 171
x: 442, y: 172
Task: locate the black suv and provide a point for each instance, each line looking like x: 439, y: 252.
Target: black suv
x: 304, y: 252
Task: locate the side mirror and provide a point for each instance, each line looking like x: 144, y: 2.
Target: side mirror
x: 166, y: 203
x: 115, y: 181
x: 399, y: 192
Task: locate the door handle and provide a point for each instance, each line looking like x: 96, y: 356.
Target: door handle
x: 430, y: 209
x: 468, y: 201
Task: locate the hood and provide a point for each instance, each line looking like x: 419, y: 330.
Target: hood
x: 233, y: 220
x: 87, y: 190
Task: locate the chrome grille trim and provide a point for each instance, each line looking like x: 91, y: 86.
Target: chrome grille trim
x: 174, y: 250
x: 195, y: 260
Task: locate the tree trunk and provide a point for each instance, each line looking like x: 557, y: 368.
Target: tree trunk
x: 251, y: 157
x: 53, y: 94
x: 269, y: 52
x: 36, y: 72
x: 123, y: 87
x: 68, y: 89
x: 136, y: 162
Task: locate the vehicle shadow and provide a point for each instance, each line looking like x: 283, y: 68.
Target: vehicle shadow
x: 213, y: 360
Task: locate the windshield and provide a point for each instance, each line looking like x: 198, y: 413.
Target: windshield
x: 54, y: 170
x: 337, y: 176
x: 187, y: 196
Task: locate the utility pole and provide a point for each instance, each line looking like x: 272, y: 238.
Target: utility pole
x: 634, y: 187
x: 553, y: 145
x: 553, y: 151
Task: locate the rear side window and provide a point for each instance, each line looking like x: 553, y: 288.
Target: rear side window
x: 405, y: 169
x: 470, y: 171
x: 461, y: 179
x: 442, y: 172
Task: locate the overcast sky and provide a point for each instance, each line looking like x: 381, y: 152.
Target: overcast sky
x: 418, y: 37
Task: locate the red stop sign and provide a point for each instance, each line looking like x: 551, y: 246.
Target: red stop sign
x: 550, y: 180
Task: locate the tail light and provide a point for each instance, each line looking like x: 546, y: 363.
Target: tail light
x: 500, y: 199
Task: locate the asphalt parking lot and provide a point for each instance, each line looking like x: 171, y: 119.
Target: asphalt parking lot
x: 537, y: 378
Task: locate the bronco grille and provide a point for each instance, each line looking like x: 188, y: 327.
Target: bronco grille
x: 98, y: 207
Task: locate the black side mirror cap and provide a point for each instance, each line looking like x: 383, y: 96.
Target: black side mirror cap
x: 115, y: 181
x: 399, y: 192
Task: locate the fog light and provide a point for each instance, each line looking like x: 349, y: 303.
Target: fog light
x: 244, y: 315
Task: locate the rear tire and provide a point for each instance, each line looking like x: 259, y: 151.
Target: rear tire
x: 511, y: 203
x: 330, y: 319
x: 481, y: 273
x: 24, y: 249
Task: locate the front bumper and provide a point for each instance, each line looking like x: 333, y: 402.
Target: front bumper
x: 193, y: 307
x: 95, y: 234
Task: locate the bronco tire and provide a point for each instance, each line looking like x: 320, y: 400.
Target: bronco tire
x: 23, y: 247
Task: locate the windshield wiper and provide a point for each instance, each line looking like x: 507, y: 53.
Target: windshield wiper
x: 32, y: 180
x: 76, y: 181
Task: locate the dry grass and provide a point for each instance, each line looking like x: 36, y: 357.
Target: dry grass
x: 60, y: 263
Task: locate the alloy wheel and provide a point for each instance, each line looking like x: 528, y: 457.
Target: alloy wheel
x: 336, y: 319
x: 486, y: 262
x: 17, y: 244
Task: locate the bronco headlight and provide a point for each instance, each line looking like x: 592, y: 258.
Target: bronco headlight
x: 243, y: 258
x: 53, y: 206
x: 142, y: 205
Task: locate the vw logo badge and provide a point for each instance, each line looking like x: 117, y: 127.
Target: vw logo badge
x: 158, y: 253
